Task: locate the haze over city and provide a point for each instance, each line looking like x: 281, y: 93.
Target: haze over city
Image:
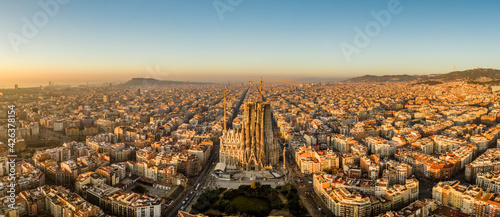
x: 215, y: 41
x: 249, y: 108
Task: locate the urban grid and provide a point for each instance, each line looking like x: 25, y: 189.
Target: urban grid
x: 249, y: 108
x: 345, y: 149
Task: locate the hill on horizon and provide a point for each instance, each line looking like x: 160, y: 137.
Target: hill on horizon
x: 466, y: 75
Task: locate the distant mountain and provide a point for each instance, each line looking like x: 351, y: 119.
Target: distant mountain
x: 385, y: 78
x: 155, y: 82
x: 479, y: 74
x: 470, y: 75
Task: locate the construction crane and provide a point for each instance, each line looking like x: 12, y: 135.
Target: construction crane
x: 261, y: 81
x: 225, y: 105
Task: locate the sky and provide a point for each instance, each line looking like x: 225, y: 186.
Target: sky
x: 75, y: 42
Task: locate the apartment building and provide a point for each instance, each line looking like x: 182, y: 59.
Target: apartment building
x: 420, y: 208
x: 489, y: 181
x: 343, y: 143
x: 487, y: 162
x: 116, y: 202
x: 26, y: 177
x: 311, y: 161
x: 343, y: 195
x: 471, y: 200
x: 61, y: 202
x: 444, y: 144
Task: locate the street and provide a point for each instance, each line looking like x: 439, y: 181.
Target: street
x: 202, y: 178
x: 310, y: 200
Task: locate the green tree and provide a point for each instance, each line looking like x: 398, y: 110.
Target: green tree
x: 231, y: 209
x: 229, y: 195
x: 285, y: 188
x: 201, y: 206
x: 276, y: 204
x: 258, y: 211
x: 244, y: 188
x: 291, y: 195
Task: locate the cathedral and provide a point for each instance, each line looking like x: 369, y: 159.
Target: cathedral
x: 252, y: 147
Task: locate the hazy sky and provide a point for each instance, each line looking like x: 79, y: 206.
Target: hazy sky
x: 94, y: 40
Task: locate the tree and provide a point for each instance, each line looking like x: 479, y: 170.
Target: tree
x: 291, y: 195
x: 212, y: 195
x: 229, y: 195
x: 287, y: 187
x: 258, y: 211
x: 244, y: 188
x: 255, y: 185
x: 201, y: 206
x: 276, y: 204
x: 231, y: 209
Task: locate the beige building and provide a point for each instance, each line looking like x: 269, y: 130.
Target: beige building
x: 471, y: 200
x: 311, y: 161
x: 487, y: 162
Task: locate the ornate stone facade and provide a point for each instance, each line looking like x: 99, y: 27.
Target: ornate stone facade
x: 230, y: 148
x: 253, y: 147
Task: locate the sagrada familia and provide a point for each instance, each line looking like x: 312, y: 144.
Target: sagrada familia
x: 252, y: 147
